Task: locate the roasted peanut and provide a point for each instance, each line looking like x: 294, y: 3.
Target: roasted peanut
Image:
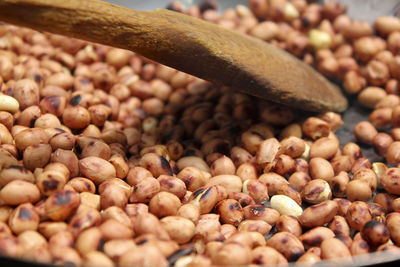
x: 339, y: 226
x: 358, y: 214
x: 318, y: 214
x: 315, y: 236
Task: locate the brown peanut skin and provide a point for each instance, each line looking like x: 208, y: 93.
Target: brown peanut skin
x: 358, y: 214
x: 230, y: 211
x: 393, y: 222
x: 339, y: 226
x: 390, y: 180
x: 61, y: 205
x: 259, y: 212
x: 319, y: 214
x: 287, y: 244
x: 375, y: 233
x: 315, y: 236
x: 289, y: 224
x: 360, y: 247
x: 335, y: 250
x: 267, y: 255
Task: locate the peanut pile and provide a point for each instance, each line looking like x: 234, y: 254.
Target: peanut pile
x: 108, y: 158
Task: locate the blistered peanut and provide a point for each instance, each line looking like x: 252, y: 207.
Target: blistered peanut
x: 319, y: 214
x: 315, y: 236
x: 358, y: 214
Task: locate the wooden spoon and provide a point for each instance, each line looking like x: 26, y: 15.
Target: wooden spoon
x: 188, y: 44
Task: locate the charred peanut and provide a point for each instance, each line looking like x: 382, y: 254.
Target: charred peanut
x: 286, y: 205
x: 81, y: 184
x: 259, y: 212
x: 287, y: 244
x: 290, y: 191
x: 192, y: 177
x: 23, y: 218
x: 316, y: 236
x: 85, y: 217
x: 389, y: 180
x: 319, y: 214
x: 172, y: 185
x: 267, y: 255
x: 205, y: 199
x: 316, y: 191
x: 375, y: 233
x: 230, y: 211
x: 343, y: 205
x: 257, y: 190
x: 156, y: 164
x: 61, y: 205
x: 244, y: 199
x: 339, y: 184
x: 339, y: 226
x: 50, y: 182
x: 358, y: 214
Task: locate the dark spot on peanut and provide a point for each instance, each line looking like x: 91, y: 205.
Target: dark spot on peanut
x: 198, y: 192
x: 206, y: 193
x: 363, y: 244
x: 62, y: 198
x: 37, y: 78
x: 295, y: 256
x: 258, y: 208
x: 50, y: 184
x: 305, y: 22
x: 142, y: 241
x: 75, y: 100
x: 32, y: 122
x: 237, y: 207
x: 25, y: 214
x: 165, y: 165
x: 18, y: 167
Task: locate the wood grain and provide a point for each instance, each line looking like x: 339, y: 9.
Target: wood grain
x: 187, y: 44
